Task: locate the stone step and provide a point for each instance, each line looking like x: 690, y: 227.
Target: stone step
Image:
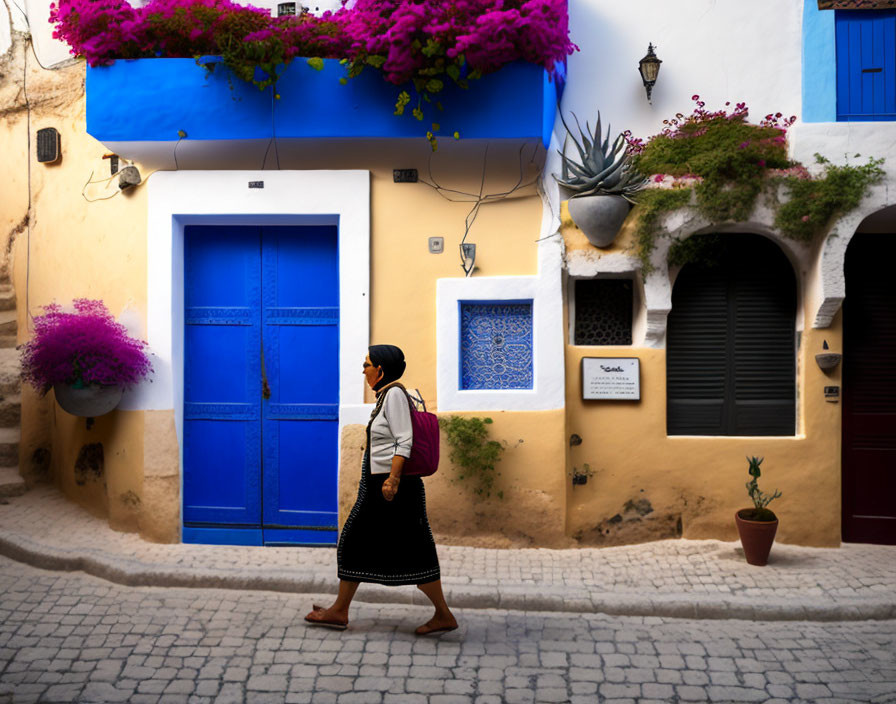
x: 9, y: 322
x: 11, y: 482
x: 10, y: 410
x: 9, y: 446
x: 10, y: 371
x: 7, y: 298
x: 7, y: 341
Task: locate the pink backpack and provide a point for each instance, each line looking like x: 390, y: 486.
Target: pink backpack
x: 424, y: 459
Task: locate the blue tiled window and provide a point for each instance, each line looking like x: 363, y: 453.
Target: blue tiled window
x: 866, y: 65
x: 496, y: 345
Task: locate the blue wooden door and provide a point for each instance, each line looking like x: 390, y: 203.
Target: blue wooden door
x: 300, y: 316
x: 260, y: 385
x: 866, y: 65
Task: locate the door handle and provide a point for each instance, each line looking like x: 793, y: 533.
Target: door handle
x: 265, y: 389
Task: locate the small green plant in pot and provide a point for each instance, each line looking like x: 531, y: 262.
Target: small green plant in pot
x: 757, y: 526
x: 602, y: 181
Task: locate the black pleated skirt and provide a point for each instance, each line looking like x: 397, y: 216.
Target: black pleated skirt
x: 388, y: 542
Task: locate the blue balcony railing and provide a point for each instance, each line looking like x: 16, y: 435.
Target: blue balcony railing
x: 158, y: 100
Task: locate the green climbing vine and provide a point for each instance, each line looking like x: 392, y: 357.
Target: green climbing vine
x: 472, y: 451
x: 719, y: 163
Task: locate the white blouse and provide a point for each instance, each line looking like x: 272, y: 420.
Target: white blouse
x: 390, y: 432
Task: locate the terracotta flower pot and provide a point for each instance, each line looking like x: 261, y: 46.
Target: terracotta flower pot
x: 756, y: 537
x: 89, y: 401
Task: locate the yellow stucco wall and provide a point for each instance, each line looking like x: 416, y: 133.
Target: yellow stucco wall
x: 646, y: 485
x: 77, y: 249
x: 531, y: 512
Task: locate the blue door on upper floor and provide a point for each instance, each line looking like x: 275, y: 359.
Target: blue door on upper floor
x: 866, y: 65
x: 261, y: 385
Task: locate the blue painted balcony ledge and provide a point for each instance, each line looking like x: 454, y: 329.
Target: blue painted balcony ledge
x: 149, y: 101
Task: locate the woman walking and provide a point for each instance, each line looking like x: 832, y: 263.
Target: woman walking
x: 386, y: 538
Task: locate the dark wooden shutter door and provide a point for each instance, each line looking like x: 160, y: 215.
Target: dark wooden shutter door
x: 869, y: 392
x: 866, y: 65
x: 696, y: 354
x: 764, y: 312
x: 730, y: 357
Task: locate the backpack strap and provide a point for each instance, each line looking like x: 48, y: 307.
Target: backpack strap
x: 413, y: 401
x: 381, y: 399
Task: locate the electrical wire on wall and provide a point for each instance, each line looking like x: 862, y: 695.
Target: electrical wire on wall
x: 478, y: 199
x: 29, y: 319
x: 273, y: 139
x: 28, y: 108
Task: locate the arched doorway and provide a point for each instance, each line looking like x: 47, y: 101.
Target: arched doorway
x: 869, y: 391
x: 731, y: 347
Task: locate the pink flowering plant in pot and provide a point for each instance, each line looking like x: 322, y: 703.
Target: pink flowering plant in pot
x: 417, y: 45
x: 85, y: 355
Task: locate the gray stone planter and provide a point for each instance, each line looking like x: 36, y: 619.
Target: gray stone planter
x: 89, y: 402
x: 599, y: 217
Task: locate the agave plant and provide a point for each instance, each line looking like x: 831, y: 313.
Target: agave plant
x: 602, y: 169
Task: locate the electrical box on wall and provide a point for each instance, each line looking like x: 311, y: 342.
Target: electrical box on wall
x: 404, y: 175
x: 49, y: 146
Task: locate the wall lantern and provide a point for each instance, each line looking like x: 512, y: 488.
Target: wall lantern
x: 468, y: 257
x: 649, y: 67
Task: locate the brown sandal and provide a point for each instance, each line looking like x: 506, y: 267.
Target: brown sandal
x: 427, y: 630
x: 325, y: 622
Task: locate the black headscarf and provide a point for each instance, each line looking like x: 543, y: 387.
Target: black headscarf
x: 391, y: 359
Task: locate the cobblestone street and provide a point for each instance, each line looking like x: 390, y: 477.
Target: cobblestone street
x: 71, y: 637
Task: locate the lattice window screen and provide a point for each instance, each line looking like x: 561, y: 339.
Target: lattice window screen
x: 496, y: 345
x: 603, y: 312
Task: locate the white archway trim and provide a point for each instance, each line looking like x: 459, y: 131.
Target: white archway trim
x: 180, y: 198
x: 829, y: 281
x: 686, y: 222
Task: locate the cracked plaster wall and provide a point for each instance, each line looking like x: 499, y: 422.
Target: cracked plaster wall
x: 77, y: 249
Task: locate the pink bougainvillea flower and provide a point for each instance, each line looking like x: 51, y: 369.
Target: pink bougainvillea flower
x: 86, y: 346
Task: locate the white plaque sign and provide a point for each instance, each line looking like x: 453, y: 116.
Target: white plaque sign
x: 611, y: 378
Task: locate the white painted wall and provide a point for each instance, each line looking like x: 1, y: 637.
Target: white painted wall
x: 11, y: 18
x: 723, y: 50
x: 5, y: 32
x: 49, y: 51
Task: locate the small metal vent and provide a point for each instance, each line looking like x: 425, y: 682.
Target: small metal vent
x: 49, y: 148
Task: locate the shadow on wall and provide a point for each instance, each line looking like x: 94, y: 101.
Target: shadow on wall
x: 90, y: 464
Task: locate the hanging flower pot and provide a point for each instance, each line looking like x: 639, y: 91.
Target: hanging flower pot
x: 599, y: 217
x: 88, y: 401
x: 602, y: 180
x: 86, y: 356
